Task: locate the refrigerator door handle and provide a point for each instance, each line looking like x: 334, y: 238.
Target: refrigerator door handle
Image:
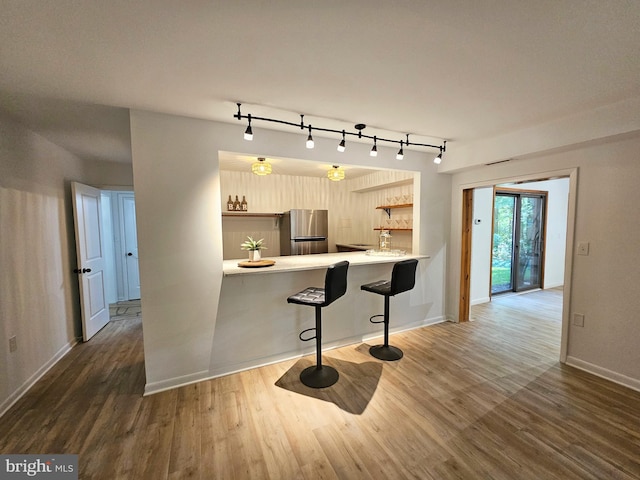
x: 309, y: 239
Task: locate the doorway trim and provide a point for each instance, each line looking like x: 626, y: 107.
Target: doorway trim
x: 465, y: 260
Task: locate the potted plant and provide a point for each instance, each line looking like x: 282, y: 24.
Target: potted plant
x: 254, y: 247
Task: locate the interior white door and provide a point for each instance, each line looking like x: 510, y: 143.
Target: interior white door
x: 91, y: 258
x: 131, y: 245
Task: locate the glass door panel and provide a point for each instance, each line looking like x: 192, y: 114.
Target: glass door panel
x: 529, y: 237
x: 503, y: 242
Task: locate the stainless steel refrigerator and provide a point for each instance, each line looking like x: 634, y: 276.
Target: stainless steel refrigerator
x: 303, y: 232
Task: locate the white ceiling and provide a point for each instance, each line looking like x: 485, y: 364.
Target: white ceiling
x: 457, y: 69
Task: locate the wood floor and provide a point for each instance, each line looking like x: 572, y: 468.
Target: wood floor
x: 482, y: 400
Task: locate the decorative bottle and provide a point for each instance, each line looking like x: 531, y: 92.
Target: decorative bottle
x: 236, y: 205
x: 230, y: 204
x: 385, y: 241
x: 244, y: 205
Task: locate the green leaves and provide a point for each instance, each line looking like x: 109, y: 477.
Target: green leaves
x: 251, y: 244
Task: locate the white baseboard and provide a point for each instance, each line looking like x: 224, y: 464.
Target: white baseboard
x: 221, y: 371
x: 615, y: 377
x: 24, y: 388
x: 478, y: 301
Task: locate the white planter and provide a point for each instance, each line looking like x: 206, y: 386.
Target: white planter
x: 254, y: 255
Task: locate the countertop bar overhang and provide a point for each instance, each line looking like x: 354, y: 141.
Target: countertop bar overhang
x: 316, y: 261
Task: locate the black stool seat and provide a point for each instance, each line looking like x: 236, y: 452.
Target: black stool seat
x: 335, y: 286
x: 308, y: 296
x: 403, y: 278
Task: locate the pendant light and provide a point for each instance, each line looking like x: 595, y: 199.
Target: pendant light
x: 335, y: 174
x: 261, y: 167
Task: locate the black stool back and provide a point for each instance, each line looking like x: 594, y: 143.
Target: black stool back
x: 403, y: 276
x: 335, y: 282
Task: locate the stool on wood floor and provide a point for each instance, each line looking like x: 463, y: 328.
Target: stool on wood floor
x: 335, y: 286
x: 403, y: 278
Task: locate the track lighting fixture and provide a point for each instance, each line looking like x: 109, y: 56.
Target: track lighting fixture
x: 261, y: 167
x: 310, y: 139
x: 341, y: 145
x: 336, y: 174
x: 400, y: 154
x: 248, y: 135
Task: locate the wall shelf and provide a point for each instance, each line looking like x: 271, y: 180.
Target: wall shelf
x: 387, y: 208
x: 402, y: 205
x: 395, y: 229
x: 245, y: 214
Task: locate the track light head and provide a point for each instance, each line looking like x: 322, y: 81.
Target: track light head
x: 374, y: 149
x: 342, y: 146
x: 310, y: 143
x: 400, y: 154
x: 248, y: 133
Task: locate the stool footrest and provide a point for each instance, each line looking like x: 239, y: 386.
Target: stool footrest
x: 305, y: 331
x: 376, y: 316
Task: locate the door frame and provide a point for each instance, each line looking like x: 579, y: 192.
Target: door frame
x: 518, y: 192
x: 465, y: 261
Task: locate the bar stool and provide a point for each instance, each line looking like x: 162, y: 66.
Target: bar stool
x: 403, y: 278
x: 335, y: 286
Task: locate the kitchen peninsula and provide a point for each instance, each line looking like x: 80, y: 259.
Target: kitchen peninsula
x: 256, y: 326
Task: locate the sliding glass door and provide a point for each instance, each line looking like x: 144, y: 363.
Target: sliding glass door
x: 518, y: 240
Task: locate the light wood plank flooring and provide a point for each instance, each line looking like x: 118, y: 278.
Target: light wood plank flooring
x: 481, y: 400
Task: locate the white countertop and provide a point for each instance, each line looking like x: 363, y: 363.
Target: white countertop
x: 311, y: 262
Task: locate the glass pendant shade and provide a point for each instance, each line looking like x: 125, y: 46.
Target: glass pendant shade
x: 335, y: 174
x: 261, y: 167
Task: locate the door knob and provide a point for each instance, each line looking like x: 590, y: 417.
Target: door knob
x: 77, y: 270
x: 129, y: 254
x: 86, y: 270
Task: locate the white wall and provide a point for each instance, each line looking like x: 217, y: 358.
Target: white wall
x: 602, y: 285
x: 39, y: 301
x: 481, y: 246
x: 178, y: 201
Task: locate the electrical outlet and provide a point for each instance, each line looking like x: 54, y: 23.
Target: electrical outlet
x: 578, y: 319
x: 13, y: 344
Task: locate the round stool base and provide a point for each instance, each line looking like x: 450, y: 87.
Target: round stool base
x: 319, y: 377
x: 388, y: 352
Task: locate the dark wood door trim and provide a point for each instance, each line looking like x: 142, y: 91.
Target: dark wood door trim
x: 465, y: 263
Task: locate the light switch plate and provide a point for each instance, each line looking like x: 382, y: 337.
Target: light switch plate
x: 578, y: 319
x: 583, y: 248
